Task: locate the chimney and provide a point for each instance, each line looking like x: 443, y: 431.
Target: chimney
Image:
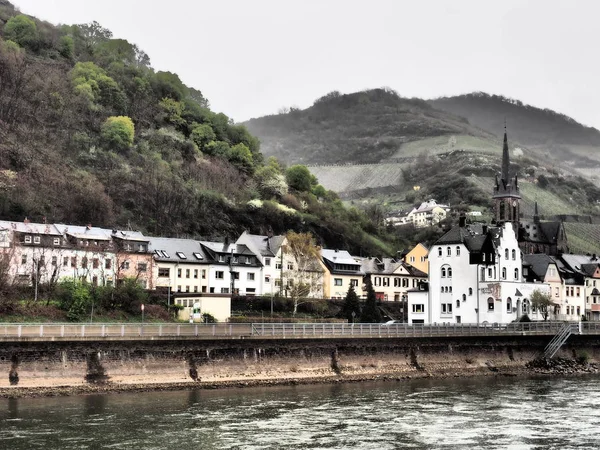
x: 26, y: 221
x: 462, y: 220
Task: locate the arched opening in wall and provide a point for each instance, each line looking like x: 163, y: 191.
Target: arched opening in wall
x: 490, y: 302
x: 502, y: 211
x: 509, y: 305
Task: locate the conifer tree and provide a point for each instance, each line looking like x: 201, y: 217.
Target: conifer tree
x: 370, y: 312
x: 351, y: 305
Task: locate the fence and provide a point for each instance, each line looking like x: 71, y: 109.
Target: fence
x: 275, y: 330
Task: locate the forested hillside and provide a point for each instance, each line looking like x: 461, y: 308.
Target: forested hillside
x: 90, y: 133
x: 558, y: 135
x: 362, y: 127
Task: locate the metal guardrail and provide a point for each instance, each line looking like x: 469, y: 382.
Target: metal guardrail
x: 275, y: 330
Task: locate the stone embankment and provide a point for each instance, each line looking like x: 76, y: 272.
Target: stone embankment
x: 63, y: 368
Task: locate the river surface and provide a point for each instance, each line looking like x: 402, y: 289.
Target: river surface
x: 488, y: 413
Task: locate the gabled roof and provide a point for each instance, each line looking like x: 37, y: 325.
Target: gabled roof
x: 538, y: 263
x: 389, y: 266
x: 33, y: 228
x: 178, y: 250
x: 262, y: 245
x: 472, y: 236
x: 81, y: 232
x: 339, y: 257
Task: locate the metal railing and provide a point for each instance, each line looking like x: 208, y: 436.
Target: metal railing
x: 560, y: 338
x: 11, y: 331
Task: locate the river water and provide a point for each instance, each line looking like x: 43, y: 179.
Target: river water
x: 485, y: 413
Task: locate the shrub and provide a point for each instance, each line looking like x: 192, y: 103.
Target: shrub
x: 118, y: 132
x: 22, y: 30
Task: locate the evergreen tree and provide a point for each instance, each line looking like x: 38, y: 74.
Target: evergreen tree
x: 351, y: 305
x: 370, y: 312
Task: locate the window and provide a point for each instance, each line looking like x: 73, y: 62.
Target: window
x: 490, y: 302
x: 36, y: 240
x: 457, y: 250
x: 187, y: 273
x: 418, y: 308
x: 203, y: 274
x: 28, y: 239
x: 470, y: 291
x: 187, y: 289
x: 125, y: 265
x: 195, y: 288
x: 84, y: 262
x: 458, y: 303
x: 506, y: 254
x: 405, y: 282
x: 490, y: 272
x: 443, y: 272
x: 196, y: 273
x: 197, y: 256
x: 250, y: 276
x: 178, y: 288
x: 449, y: 251
x: 577, y: 292
x: 386, y: 281
x: 508, y: 304
x: 65, y: 261
x: 396, y: 282
x: 219, y: 275
x: 54, y: 261
x: 235, y: 275
x: 56, y: 241
x: 482, y: 275
x: 107, y: 263
x: 516, y: 274
x: 278, y: 266
x: 221, y: 258
x: 24, y: 259
x: 142, y: 248
x: 423, y: 258
x: 514, y: 254
x: 412, y: 259
x: 290, y: 266
x: 439, y: 251
x: 446, y: 308
x: 464, y: 297
x: 267, y: 261
x: 337, y: 281
x: 556, y: 292
x: 224, y: 290
x: 504, y: 273
x: 178, y: 273
x: 73, y: 261
x: 164, y: 272
x: 267, y: 279
x: 95, y: 263
x: 354, y: 283
x: 242, y: 259
x: 142, y: 267
x: 449, y: 272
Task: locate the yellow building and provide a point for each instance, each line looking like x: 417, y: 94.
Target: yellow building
x: 417, y: 258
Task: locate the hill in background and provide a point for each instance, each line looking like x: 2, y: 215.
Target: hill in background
x: 363, y: 127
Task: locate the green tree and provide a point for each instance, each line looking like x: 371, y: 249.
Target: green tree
x: 202, y: 135
x: 542, y: 301
x: 351, y: 306
x: 22, y: 30
x: 75, y: 298
x: 118, y: 132
x: 241, y: 157
x: 370, y: 312
x: 66, y: 47
x: 300, y: 178
x: 92, y: 83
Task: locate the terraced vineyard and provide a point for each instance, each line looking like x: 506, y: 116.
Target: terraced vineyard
x: 361, y: 176
x: 583, y: 237
x: 444, y: 144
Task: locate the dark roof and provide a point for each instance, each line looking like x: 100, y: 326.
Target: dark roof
x: 472, y: 236
x: 539, y: 263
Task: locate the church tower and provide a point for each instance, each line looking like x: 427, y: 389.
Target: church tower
x: 506, y: 192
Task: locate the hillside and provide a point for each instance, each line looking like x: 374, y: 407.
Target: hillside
x: 557, y: 135
x: 90, y: 133
x: 363, y: 127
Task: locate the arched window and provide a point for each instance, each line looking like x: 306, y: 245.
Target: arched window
x: 470, y: 291
x: 504, y: 273
x: 442, y: 289
x: 490, y: 302
x: 449, y: 272
x: 458, y: 303
x: 514, y: 254
x: 508, y: 305
x: 457, y: 250
x: 449, y: 251
x: 443, y: 272
x: 464, y: 297
x: 439, y: 251
x: 450, y: 289
x: 516, y: 274
x: 505, y: 253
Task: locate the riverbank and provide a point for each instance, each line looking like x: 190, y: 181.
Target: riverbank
x: 558, y: 367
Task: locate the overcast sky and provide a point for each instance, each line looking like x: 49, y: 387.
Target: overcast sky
x: 251, y: 57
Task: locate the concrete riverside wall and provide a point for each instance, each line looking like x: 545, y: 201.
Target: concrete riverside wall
x: 46, y: 364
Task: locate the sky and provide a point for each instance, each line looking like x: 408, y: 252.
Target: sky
x: 251, y: 58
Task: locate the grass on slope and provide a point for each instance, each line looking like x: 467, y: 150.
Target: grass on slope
x: 443, y: 144
x: 583, y: 237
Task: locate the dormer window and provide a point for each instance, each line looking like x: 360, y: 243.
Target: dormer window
x: 181, y: 255
x: 56, y: 241
x: 28, y: 239
x: 36, y: 240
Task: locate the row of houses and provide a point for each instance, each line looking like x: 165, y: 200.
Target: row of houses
x: 34, y: 253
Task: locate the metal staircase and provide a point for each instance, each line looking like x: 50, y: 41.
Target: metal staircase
x: 561, y: 337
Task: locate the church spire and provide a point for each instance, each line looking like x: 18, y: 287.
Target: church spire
x: 505, y: 158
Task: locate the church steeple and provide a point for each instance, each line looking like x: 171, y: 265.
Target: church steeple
x: 506, y: 190
x: 505, y: 158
